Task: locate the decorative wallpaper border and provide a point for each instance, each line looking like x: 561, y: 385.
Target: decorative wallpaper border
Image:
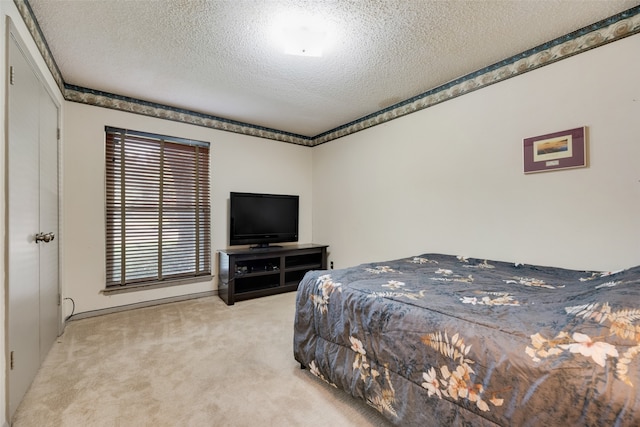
x: 36, y: 33
x: 606, y: 31
x: 131, y: 105
x: 611, y: 29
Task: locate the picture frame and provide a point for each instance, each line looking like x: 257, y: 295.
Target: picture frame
x: 555, y: 151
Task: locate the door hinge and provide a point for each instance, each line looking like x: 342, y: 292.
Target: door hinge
x: 58, y: 134
x: 11, y: 360
x: 11, y: 75
x: 59, y: 300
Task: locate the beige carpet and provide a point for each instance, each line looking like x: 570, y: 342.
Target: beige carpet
x: 191, y: 363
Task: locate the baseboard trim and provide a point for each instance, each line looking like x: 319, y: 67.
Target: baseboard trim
x: 142, y: 304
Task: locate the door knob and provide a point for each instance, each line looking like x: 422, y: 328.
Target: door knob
x: 45, y: 237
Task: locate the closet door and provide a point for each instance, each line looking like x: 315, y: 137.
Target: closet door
x: 32, y: 209
x: 23, y: 217
x: 48, y: 251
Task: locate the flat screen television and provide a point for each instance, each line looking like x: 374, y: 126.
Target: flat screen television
x: 262, y: 219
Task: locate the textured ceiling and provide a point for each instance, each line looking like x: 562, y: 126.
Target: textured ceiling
x: 222, y: 58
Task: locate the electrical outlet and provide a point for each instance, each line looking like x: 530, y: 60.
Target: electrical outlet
x: 332, y: 265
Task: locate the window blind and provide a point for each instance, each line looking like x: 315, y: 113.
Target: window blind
x: 158, y: 211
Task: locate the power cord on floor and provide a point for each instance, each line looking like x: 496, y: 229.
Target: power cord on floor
x: 73, y: 309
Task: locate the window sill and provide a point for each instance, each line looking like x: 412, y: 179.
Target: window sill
x: 155, y: 285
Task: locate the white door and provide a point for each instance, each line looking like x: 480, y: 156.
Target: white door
x: 32, y: 209
x: 49, y: 283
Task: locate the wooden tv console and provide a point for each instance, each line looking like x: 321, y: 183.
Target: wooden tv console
x: 252, y: 273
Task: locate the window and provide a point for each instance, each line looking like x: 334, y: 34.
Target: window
x: 157, y: 208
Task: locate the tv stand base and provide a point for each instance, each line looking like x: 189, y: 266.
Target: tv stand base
x: 251, y: 273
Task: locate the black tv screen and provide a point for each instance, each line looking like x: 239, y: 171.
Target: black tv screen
x: 261, y: 219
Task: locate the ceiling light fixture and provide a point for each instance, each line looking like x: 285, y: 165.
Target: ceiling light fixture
x: 304, y: 41
x: 302, y: 33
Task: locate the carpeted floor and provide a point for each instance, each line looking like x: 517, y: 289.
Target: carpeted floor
x: 191, y: 363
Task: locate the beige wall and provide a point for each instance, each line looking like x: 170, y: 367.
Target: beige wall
x: 449, y: 178
x: 238, y: 163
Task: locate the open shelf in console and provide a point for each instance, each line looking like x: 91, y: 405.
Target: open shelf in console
x: 249, y: 273
x: 294, y: 277
x: 256, y: 266
x: 302, y: 261
x: 257, y: 283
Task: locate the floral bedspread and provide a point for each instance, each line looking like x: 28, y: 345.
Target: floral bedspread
x: 444, y: 340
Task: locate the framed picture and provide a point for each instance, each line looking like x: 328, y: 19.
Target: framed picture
x: 558, y: 150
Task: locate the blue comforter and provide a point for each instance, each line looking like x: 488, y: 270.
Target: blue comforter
x: 444, y: 340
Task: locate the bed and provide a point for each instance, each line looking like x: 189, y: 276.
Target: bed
x: 437, y: 340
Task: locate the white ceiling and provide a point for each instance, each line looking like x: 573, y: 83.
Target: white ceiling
x: 221, y: 57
